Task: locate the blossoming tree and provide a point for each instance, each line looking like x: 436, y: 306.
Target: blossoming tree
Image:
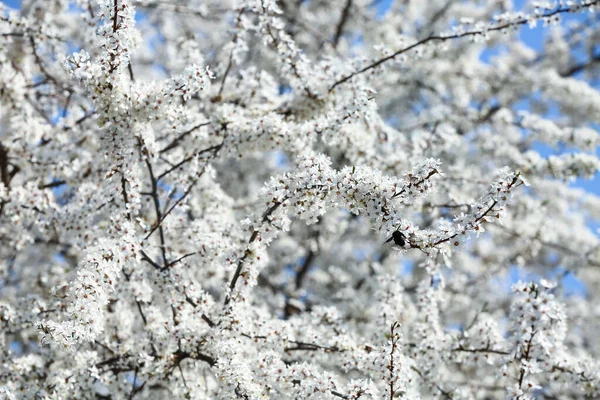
x: 195, y: 196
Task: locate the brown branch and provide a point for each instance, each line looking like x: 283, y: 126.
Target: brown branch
x: 440, y: 13
x: 439, y: 38
x: 78, y: 122
x: 146, y: 258
x: 293, y: 66
x: 580, y: 67
x: 28, y: 31
x: 303, y: 346
x: 215, y: 150
x: 155, y: 200
x: 394, y: 339
x: 179, y: 260
x: 230, y: 61
x: 527, y: 351
x: 132, y: 393
x: 300, y: 345
x: 40, y: 64
x: 203, y: 316
x: 445, y: 393
x: 238, y: 270
x: 182, y: 355
x: 416, y: 184
x: 556, y: 246
x: 460, y: 348
x: 115, y: 15
x: 4, y: 176
x: 341, y: 23
x: 124, y: 190
x: 179, y: 138
x: 130, y: 69
x: 581, y: 374
x: 140, y: 310
x: 188, y: 159
x: 301, y: 274
x: 480, y: 217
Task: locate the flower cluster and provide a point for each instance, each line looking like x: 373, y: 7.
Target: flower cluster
x: 287, y: 199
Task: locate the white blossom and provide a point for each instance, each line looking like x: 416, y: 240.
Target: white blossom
x: 263, y: 199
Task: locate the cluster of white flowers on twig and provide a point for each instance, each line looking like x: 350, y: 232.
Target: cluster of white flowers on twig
x: 298, y: 199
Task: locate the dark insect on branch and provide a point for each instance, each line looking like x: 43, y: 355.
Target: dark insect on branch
x: 398, y: 237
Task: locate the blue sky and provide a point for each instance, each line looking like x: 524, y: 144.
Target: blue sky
x: 532, y: 37
x: 535, y: 39
x: 12, y: 3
